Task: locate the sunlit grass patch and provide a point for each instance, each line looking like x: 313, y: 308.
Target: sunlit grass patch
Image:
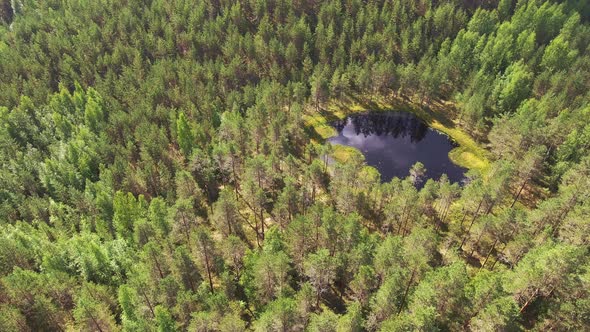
x: 325, y: 131
x: 320, y: 125
x: 343, y: 153
x: 463, y: 157
x: 469, y: 154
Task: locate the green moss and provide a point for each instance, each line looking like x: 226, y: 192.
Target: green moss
x: 469, y: 154
x: 319, y: 127
x: 343, y: 153
x: 466, y: 158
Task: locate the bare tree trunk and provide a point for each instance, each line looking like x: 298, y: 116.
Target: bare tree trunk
x: 489, y: 253
x: 401, y: 306
x: 186, y: 228
x: 526, y: 304
x: 475, y: 215
x: 93, y: 320
x: 262, y: 222
x: 228, y: 222
x: 571, y: 203
x: 147, y: 300
x: 477, y: 241
x: 519, y: 192
x: 208, y: 270
x: 402, y: 219
x: 157, y: 265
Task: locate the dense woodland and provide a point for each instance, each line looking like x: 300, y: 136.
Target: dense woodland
x: 156, y: 173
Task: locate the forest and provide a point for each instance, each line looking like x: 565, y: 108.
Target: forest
x: 160, y: 169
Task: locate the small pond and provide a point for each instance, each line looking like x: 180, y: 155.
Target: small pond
x: 394, y: 141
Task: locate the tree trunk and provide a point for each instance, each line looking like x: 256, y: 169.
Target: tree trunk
x: 317, y: 301
x: 489, y: 253
x: 571, y: 203
x: 157, y: 265
x: 463, y: 219
x: 478, y: 239
x: 149, y: 304
x: 257, y: 232
x: 208, y: 270
x: 526, y: 304
x: 401, y: 223
x: 401, y: 306
x: 519, y: 192
x: 262, y: 222
x: 186, y: 228
x: 228, y: 222
x: 233, y: 167
x: 93, y: 320
x: 475, y: 215
x: 444, y: 212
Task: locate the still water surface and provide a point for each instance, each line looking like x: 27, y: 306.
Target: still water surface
x: 394, y: 141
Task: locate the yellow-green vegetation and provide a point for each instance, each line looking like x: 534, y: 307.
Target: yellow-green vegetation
x: 466, y: 157
x: 468, y: 154
x: 369, y: 174
x: 343, y: 153
x: 320, y: 125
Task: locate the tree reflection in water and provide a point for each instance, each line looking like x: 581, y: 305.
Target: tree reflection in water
x: 396, y: 124
x: 393, y: 141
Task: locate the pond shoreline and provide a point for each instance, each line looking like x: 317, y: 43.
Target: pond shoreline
x: 468, y: 154
x: 393, y: 142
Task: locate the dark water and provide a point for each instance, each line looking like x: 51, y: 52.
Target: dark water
x: 394, y: 141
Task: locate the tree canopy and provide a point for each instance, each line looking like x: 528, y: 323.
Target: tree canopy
x: 161, y: 166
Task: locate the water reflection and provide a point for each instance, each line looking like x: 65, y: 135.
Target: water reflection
x: 392, y: 142
x: 398, y: 124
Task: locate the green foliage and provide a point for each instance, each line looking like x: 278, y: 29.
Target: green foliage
x: 514, y: 87
x: 185, y: 135
x: 164, y: 320
x: 162, y: 166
